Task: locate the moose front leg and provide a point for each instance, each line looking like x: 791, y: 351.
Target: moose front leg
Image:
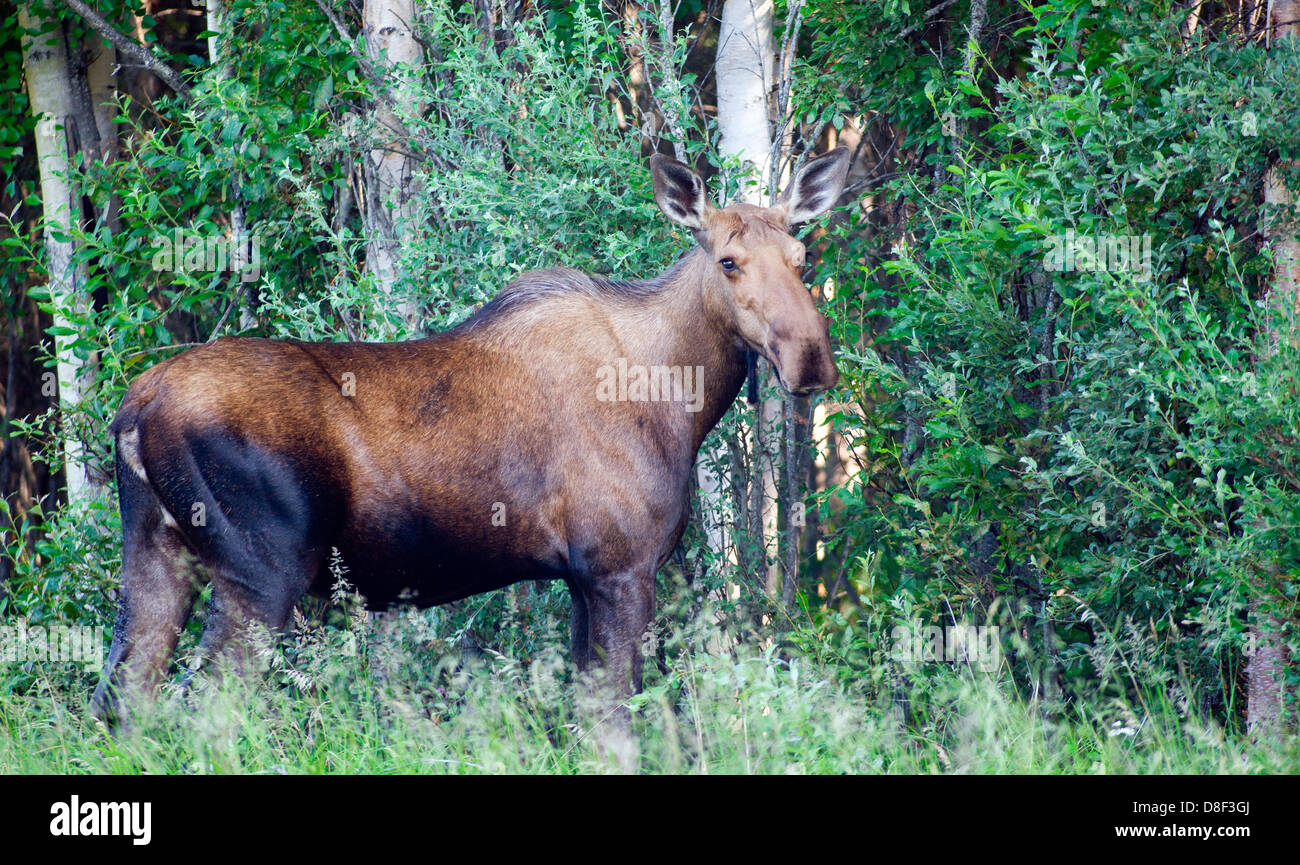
x: 580, y: 627
x: 620, y: 608
x: 617, y: 609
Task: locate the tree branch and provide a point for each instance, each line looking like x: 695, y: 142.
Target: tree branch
x: 925, y: 19
x: 367, y: 68
x: 130, y: 48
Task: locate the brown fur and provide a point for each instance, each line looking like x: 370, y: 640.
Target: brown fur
x: 406, y: 456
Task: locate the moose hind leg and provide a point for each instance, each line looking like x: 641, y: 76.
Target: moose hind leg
x: 159, y: 583
x: 268, y: 525
x: 230, y: 641
x: 244, y: 610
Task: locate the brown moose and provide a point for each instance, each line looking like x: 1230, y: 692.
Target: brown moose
x: 457, y: 464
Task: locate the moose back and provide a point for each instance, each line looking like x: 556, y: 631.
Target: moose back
x: 549, y: 436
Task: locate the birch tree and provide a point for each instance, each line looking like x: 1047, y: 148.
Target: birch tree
x: 745, y: 71
x: 220, y: 59
x: 50, y: 90
x: 1270, y: 660
x: 389, y: 170
x: 745, y: 68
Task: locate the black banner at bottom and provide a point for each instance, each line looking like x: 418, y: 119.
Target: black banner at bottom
x: 213, y: 815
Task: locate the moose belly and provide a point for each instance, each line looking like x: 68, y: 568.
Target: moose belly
x: 423, y: 556
x: 430, y: 573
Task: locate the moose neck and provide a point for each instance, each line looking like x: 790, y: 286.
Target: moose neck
x: 682, y: 320
x: 694, y: 325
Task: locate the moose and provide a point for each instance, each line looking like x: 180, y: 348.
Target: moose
x: 482, y: 456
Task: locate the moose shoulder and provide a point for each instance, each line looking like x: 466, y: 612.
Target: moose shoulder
x: 549, y: 436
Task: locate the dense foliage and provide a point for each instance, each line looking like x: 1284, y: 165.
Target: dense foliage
x: 1101, y: 462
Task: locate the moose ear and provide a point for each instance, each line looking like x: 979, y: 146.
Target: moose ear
x: 679, y: 192
x: 817, y: 186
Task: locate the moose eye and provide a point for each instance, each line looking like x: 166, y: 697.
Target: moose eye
x: 728, y: 265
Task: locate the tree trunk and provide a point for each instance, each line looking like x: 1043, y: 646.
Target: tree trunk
x: 632, y: 37
x: 219, y: 57
x: 390, y: 167
x: 745, y: 72
x: 1266, y: 696
x: 50, y: 89
x: 746, y: 76
x: 216, y: 21
x: 102, y: 76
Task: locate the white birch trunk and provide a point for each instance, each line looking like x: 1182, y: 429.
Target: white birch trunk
x: 389, y: 42
x: 746, y: 74
x: 1266, y: 672
x: 49, y: 87
x: 216, y: 14
x: 745, y: 71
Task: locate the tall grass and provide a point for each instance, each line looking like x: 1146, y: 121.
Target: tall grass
x: 324, y: 708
